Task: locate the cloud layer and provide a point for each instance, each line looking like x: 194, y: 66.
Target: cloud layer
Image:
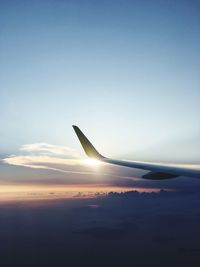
x: 61, y: 159
x: 42, y: 163
x: 45, y: 156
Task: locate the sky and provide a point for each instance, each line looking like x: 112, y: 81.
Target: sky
x: 126, y: 72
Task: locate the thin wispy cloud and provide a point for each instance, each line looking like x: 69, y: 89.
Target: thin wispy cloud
x: 49, y: 149
x: 45, y: 156
x: 39, y: 161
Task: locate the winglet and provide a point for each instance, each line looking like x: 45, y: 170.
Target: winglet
x: 89, y: 149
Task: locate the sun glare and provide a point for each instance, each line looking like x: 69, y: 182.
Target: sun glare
x: 92, y: 162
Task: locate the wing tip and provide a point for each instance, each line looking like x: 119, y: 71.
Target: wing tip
x: 89, y: 149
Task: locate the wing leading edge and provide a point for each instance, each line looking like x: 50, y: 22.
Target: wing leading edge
x: 156, y: 171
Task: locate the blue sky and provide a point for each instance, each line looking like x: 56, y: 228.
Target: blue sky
x: 126, y: 72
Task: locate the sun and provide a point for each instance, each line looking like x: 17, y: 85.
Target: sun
x: 92, y: 162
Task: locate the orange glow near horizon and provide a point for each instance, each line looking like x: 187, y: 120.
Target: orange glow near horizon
x: 40, y: 192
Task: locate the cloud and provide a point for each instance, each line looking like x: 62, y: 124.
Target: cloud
x: 149, y: 229
x: 59, y: 164
x: 64, y: 165
x: 45, y: 156
x: 51, y: 164
x: 40, y: 161
x: 48, y: 149
x: 56, y: 158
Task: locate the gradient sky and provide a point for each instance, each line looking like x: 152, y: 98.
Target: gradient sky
x: 126, y: 72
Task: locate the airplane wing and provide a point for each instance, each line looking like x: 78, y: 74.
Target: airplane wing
x: 157, y: 171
